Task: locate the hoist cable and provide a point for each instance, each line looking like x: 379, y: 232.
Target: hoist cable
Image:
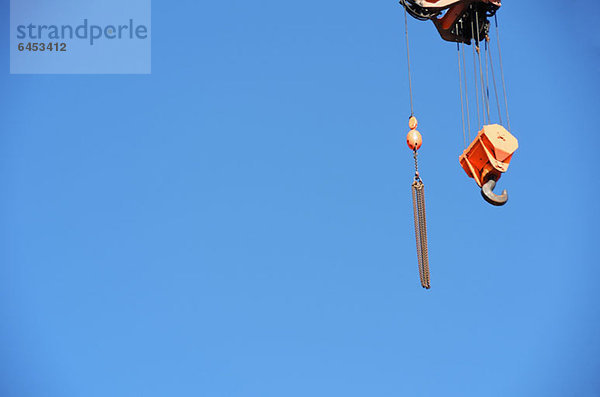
x: 502, y: 74
x: 483, y: 98
x: 495, y: 86
x: 412, y: 112
x: 462, y: 50
x: 475, y: 75
x: 462, y: 107
x: 487, y: 78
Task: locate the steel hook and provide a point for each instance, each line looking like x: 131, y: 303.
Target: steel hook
x: 489, y: 195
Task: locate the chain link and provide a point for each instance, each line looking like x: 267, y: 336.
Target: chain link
x: 417, y: 176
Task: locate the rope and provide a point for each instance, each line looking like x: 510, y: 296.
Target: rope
x: 475, y: 75
x: 483, y: 99
x: 412, y: 112
x: 502, y: 73
x: 495, y: 86
x: 487, y: 78
x: 462, y: 50
x: 462, y: 107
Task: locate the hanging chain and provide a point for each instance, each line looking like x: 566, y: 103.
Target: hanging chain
x: 417, y: 176
x: 418, y: 188
x: 418, y: 195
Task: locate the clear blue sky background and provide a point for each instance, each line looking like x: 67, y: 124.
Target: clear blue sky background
x: 239, y: 223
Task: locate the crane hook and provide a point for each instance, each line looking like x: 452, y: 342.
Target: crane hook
x: 490, y: 196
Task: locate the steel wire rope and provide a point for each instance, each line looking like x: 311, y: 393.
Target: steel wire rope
x: 502, y: 73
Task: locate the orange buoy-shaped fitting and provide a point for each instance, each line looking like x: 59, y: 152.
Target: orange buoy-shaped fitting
x: 414, y: 140
x: 413, y: 123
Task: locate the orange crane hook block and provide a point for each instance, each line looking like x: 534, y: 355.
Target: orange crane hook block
x: 487, y: 158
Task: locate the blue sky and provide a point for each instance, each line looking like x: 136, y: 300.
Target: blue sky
x: 239, y: 223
